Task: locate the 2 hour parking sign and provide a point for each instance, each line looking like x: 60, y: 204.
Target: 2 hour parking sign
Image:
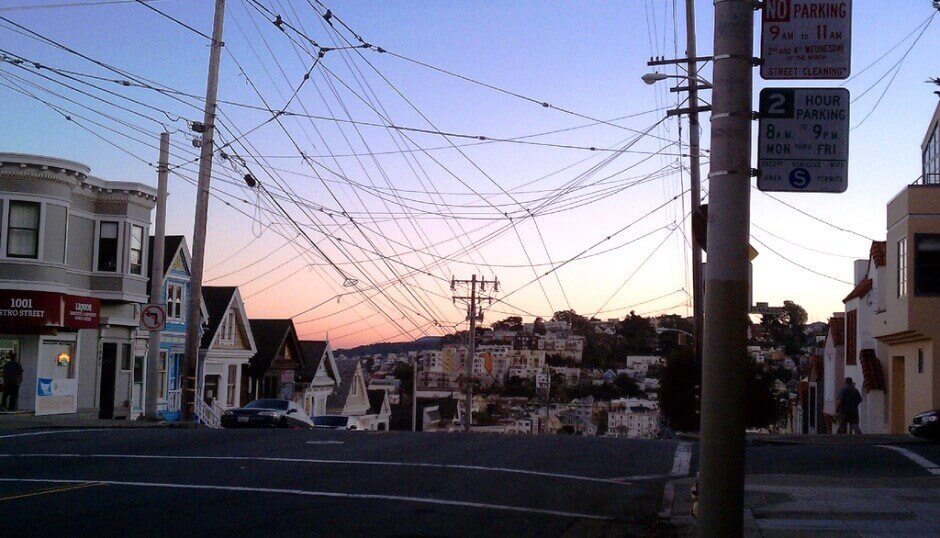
x: 803, y: 140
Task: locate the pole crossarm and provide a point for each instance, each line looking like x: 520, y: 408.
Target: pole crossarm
x: 474, y: 314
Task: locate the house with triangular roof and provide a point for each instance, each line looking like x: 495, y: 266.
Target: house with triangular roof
x: 352, y: 398
x: 226, y: 349
x: 276, y: 366
x: 174, y: 296
x: 318, y: 375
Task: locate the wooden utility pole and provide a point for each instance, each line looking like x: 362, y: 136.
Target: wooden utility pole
x: 474, y: 314
x: 721, y: 451
x: 156, y: 279
x: 193, y: 320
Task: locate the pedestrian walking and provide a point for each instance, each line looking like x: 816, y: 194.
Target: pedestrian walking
x: 847, y: 407
x: 12, y: 377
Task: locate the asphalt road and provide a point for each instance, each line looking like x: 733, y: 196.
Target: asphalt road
x: 153, y: 482
x: 224, y: 483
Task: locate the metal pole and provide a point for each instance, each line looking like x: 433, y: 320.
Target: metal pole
x: 726, y: 286
x: 193, y: 318
x: 695, y: 187
x: 156, y: 278
x: 468, y: 416
x: 414, y: 394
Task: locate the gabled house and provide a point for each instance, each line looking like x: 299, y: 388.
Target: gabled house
x: 175, y: 295
x: 350, y: 398
x: 318, y: 375
x: 226, y: 349
x: 833, y: 365
x: 379, y: 410
x: 276, y: 366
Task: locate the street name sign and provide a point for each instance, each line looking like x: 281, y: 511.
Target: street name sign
x: 803, y: 140
x: 806, y: 40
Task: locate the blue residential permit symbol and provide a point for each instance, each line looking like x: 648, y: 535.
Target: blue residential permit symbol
x: 44, y: 387
x: 800, y: 178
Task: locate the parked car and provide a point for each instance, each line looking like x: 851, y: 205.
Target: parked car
x: 267, y: 413
x: 335, y: 422
x: 926, y: 425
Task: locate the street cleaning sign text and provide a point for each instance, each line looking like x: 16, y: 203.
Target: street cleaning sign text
x: 806, y: 39
x: 803, y: 140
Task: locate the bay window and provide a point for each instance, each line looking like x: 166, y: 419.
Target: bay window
x: 23, y: 230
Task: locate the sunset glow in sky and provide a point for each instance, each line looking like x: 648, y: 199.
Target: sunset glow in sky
x: 477, y: 176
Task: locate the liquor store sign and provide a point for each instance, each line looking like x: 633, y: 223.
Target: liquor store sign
x: 21, y: 309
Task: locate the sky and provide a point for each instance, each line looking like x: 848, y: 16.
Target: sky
x: 358, y: 228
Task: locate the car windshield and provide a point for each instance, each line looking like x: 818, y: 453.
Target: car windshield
x: 280, y: 405
x: 329, y: 421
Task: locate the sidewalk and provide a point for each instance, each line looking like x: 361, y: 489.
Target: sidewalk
x: 27, y: 421
x: 783, y: 505
x: 822, y: 440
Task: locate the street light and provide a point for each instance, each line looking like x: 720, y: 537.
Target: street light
x: 661, y: 330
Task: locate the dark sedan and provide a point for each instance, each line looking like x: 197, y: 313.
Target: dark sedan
x: 926, y: 425
x: 267, y: 413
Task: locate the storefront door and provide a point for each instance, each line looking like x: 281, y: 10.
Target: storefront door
x: 108, y: 373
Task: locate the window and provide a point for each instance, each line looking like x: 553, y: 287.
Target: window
x: 920, y: 361
x: 851, y: 325
x: 227, y: 331
x: 927, y: 264
x: 174, y: 301
x: 107, y: 246
x: 23, y: 230
x: 902, y: 267
x: 932, y: 158
x: 230, y: 393
x: 126, y: 357
x: 137, y: 250
x: 161, y: 374
x: 138, y: 369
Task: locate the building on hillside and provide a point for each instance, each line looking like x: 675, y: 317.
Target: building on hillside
x: 175, y: 295
x: 276, y: 366
x: 73, y: 254
x: 226, y: 349
x: 909, y: 323
x: 318, y: 375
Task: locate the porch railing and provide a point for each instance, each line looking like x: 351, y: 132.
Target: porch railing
x: 208, y: 414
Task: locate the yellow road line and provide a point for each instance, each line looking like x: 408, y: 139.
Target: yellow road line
x: 58, y: 489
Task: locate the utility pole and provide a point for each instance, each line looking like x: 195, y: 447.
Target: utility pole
x: 474, y: 314
x: 721, y: 455
x: 695, y: 183
x: 193, y: 317
x: 156, y: 279
x: 414, y: 394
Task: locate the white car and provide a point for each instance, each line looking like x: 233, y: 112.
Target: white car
x: 335, y: 422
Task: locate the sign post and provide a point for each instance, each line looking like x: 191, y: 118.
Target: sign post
x: 806, y: 39
x: 803, y: 140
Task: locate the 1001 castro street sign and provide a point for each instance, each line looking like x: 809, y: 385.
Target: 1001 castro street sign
x: 803, y: 140
x: 803, y: 39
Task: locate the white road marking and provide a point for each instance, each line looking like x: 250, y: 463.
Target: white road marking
x: 51, y: 432
x: 682, y: 459
x: 928, y: 465
x: 311, y: 493
x: 326, y: 442
x: 330, y: 462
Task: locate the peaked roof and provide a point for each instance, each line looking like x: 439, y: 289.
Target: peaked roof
x: 860, y: 290
x: 312, y: 354
x: 376, y: 399
x: 217, y: 299
x: 270, y: 335
x: 347, y: 372
x: 171, y: 244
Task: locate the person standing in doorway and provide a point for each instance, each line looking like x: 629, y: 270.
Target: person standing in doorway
x: 847, y: 407
x: 12, y: 377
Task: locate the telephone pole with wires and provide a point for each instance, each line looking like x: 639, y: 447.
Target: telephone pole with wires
x: 188, y: 381
x: 474, y: 314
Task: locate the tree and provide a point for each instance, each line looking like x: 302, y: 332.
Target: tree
x: 677, y: 393
x: 668, y: 340
x: 786, y: 329
x: 628, y: 386
x: 512, y: 323
x: 638, y: 334
x: 539, y: 326
x: 404, y: 373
